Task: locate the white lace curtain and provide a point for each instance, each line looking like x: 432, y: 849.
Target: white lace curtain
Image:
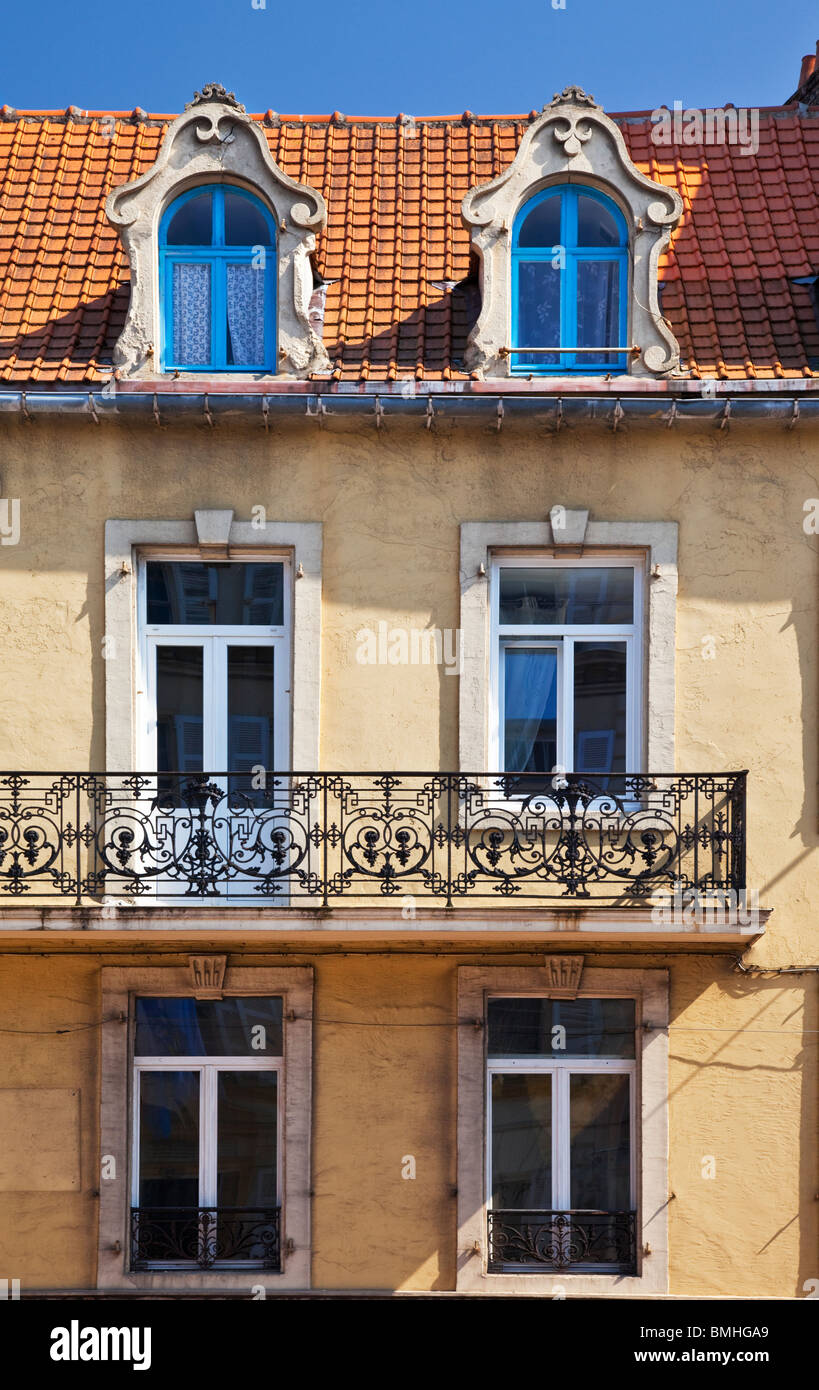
x: 191, y: 313
x: 245, y: 314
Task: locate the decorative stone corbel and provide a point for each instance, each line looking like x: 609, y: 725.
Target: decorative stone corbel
x: 207, y: 976
x: 215, y: 141
x: 563, y: 974
x: 572, y: 141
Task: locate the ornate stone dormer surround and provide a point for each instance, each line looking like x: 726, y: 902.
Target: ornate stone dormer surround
x: 573, y: 141
x: 215, y: 141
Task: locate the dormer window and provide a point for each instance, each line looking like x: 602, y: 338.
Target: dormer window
x: 217, y: 253
x: 569, y: 284
x: 568, y: 240
x: 225, y: 283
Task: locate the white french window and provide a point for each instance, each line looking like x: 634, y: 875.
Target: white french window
x: 561, y: 1115
x: 206, y: 1133
x: 566, y: 665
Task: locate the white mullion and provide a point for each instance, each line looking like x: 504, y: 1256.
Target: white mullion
x: 632, y: 1138
x: 214, y: 734
x: 562, y: 1177
x: 207, y: 1137
x: 632, y: 707
x: 499, y: 674
x: 544, y: 631
x: 238, y: 1063
x: 136, y: 1102
x: 252, y: 631
x: 487, y: 1156
x: 566, y: 715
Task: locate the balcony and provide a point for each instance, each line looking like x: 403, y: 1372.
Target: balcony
x: 323, y: 840
x: 179, y: 1237
x: 591, y: 1242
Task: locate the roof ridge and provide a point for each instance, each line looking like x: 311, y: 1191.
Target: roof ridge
x: 137, y: 116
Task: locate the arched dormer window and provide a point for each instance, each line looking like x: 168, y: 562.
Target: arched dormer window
x: 570, y: 284
x: 217, y: 282
x: 582, y: 274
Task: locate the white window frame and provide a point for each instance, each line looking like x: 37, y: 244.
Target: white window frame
x: 120, y: 987
x: 506, y: 636
x: 214, y: 639
x: 650, y: 990
x: 127, y: 540
x: 208, y: 1069
x: 562, y: 1068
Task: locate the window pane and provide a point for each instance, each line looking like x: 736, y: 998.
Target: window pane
x: 169, y: 1139
x: 541, y: 227
x: 598, y: 308
x: 530, y: 709
x: 534, y: 1027
x: 246, y: 1143
x: 599, y: 707
x: 250, y: 715
x: 600, y: 1167
x: 234, y: 595
x: 179, y: 709
x: 191, y: 314
x: 596, y: 225
x: 522, y: 1142
x: 538, y: 313
x: 192, y: 225
x: 556, y: 596
x: 245, y: 315
x: 245, y: 223
x: 236, y: 1027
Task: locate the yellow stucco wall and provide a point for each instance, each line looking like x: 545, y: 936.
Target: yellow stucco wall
x: 391, y: 504
x: 745, y: 1099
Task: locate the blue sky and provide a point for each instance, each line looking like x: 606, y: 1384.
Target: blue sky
x: 378, y: 57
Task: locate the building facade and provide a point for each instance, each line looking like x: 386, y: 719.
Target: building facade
x: 408, y: 580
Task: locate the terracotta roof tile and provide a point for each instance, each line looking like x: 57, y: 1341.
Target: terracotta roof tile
x: 395, y: 239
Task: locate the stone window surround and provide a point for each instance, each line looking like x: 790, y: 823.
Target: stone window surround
x: 480, y: 541
x: 123, y: 540
x: 574, y: 142
x: 650, y: 989
x: 215, y: 141
x: 119, y: 985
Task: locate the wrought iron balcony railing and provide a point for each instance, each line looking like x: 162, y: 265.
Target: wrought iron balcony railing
x: 323, y: 839
x: 563, y: 1240
x: 205, y: 1236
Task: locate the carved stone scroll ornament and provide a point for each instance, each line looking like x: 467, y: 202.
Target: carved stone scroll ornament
x: 215, y: 141
x: 573, y: 141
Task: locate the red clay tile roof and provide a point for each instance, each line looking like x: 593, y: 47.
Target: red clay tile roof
x: 395, y: 252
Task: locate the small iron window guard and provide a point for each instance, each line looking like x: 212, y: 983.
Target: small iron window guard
x: 205, y: 1237
x: 562, y: 1240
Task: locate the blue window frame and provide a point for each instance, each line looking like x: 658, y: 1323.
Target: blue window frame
x: 569, y: 284
x: 217, y: 277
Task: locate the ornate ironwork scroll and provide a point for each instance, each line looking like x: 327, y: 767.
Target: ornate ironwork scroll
x: 562, y: 1240
x: 321, y: 838
x: 205, y: 1236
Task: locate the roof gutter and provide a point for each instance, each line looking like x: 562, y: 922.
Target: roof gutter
x: 773, y: 402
